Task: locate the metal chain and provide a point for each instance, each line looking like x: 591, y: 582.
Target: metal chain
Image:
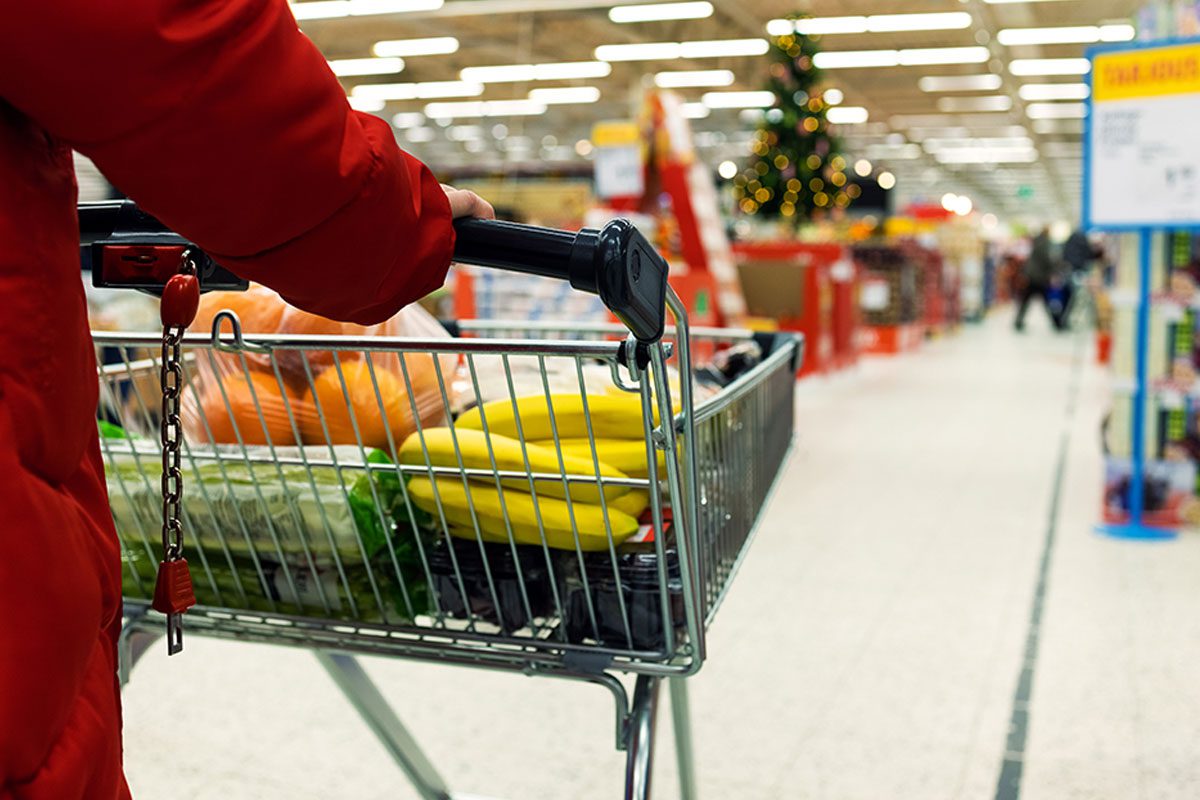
x: 171, y: 378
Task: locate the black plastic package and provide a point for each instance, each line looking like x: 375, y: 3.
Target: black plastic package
x: 506, y: 607
x: 637, y: 582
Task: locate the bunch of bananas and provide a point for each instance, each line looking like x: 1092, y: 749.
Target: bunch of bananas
x: 526, y: 435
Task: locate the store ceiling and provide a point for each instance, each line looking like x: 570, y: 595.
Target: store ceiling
x: 1020, y: 161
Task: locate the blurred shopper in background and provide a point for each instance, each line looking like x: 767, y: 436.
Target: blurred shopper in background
x: 1042, y: 272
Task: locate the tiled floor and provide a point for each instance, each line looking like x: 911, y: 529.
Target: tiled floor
x: 870, y: 648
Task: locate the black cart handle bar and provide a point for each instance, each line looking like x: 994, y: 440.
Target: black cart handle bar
x: 127, y: 248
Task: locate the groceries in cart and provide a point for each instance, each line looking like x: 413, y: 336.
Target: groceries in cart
x: 406, y: 481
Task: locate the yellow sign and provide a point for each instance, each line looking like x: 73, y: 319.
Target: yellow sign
x: 616, y: 134
x: 1156, y: 72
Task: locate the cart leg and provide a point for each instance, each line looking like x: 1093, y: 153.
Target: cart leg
x: 362, y: 693
x: 639, y: 759
x: 682, y: 720
x: 131, y: 646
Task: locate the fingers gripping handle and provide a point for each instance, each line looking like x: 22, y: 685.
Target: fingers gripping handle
x: 615, y: 262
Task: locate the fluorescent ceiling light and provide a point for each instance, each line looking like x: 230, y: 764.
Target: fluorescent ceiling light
x: 724, y: 47
x: 1077, y: 34
x: 479, y: 108
x: 420, y: 135
x: 780, y: 27
x: 752, y: 116
x: 517, y: 73
x: 320, y: 9
x: 666, y: 51
x: 435, y: 46
x: 368, y: 104
x: 1049, y: 66
x: 1056, y: 110
x: 944, y: 55
x: 833, y: 97
x: 408, y: 119
x: 661, y: 11
x: 853, y: 59
x: 344, y: 67
x: 849, y: 59
x: 645, y: 51
x: 996, y: 102
x: 819, y: 26
x: 890, y: 23
x: 694, y: 78
x: 364, y: 8
x: 1011, y: 2
x: 960, y: 83
x: 565, y: 95
x: 877, y: 23
x: 1054, y: 91
x: 738, y: 99
x: 417, y: 91
x: 695, y: 111
x: 847, y: 115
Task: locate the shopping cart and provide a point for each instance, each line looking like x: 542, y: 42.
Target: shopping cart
x: 398, y: 534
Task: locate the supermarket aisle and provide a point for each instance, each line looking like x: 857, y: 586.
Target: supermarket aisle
x: 870, y: 649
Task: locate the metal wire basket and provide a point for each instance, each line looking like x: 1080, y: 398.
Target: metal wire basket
x: 557, y: 502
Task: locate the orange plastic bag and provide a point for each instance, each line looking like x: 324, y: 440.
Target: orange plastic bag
x: 339, y: 395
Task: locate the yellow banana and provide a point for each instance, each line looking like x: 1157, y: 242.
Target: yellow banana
x: 612, y: 417
x: 522, y: 515
x: 626, y: 455
x: 633, y: 503
x: 473, y: 448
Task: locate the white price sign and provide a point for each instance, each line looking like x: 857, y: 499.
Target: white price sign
x: 1142, y: 150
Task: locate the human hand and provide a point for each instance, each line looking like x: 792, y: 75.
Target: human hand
x: 468, y: 204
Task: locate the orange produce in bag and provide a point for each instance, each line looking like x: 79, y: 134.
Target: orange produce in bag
x: 374, y: 415
x: 240, y: 411
x: 302, y: 323
x: 258, y: 309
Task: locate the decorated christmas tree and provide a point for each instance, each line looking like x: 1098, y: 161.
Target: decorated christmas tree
x: 795, y: 171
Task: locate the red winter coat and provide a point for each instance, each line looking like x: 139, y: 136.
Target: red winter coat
x: 222, y: 120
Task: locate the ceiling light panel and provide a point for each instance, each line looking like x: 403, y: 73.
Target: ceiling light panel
x: 724, y: 47
x: 996, y: 102
x: 1054, y: 91
x: 348, y: 67
x: 960, y: 83
x: 876, y: 23
x: 1056, y: 110
x: 406, y: 48
x: 567, y: 95
x: 944, y: 55
x: 695, y: 110
x: 644, y: 51
x: 417, y: 91
x: 479, y: 108
x: 847, y: 115
x: 683, y: 79
x: 519, y: 73
x: 1036, y: 67
x: 1077, y: 34
x: 653, y: 12
x: 855, y: 59
x: 738, y: 99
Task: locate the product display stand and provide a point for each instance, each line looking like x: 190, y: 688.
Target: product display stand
x: 1136, y: 528
x: 1140, y: 171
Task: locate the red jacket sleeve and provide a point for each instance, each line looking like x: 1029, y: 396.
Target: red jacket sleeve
x: 224, y: 121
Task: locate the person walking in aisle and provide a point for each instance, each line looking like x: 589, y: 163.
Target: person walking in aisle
x: 1041, y: 271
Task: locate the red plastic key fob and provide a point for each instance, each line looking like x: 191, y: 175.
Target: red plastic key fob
x: 173, y: 593
x: 180, y: 299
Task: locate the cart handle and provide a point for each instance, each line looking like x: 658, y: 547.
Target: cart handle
x: 615, y: 262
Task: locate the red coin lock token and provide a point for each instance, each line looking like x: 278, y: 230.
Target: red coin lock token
x: 180, y: 299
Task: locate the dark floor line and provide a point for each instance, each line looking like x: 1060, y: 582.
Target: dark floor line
x: 1008, y: 785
